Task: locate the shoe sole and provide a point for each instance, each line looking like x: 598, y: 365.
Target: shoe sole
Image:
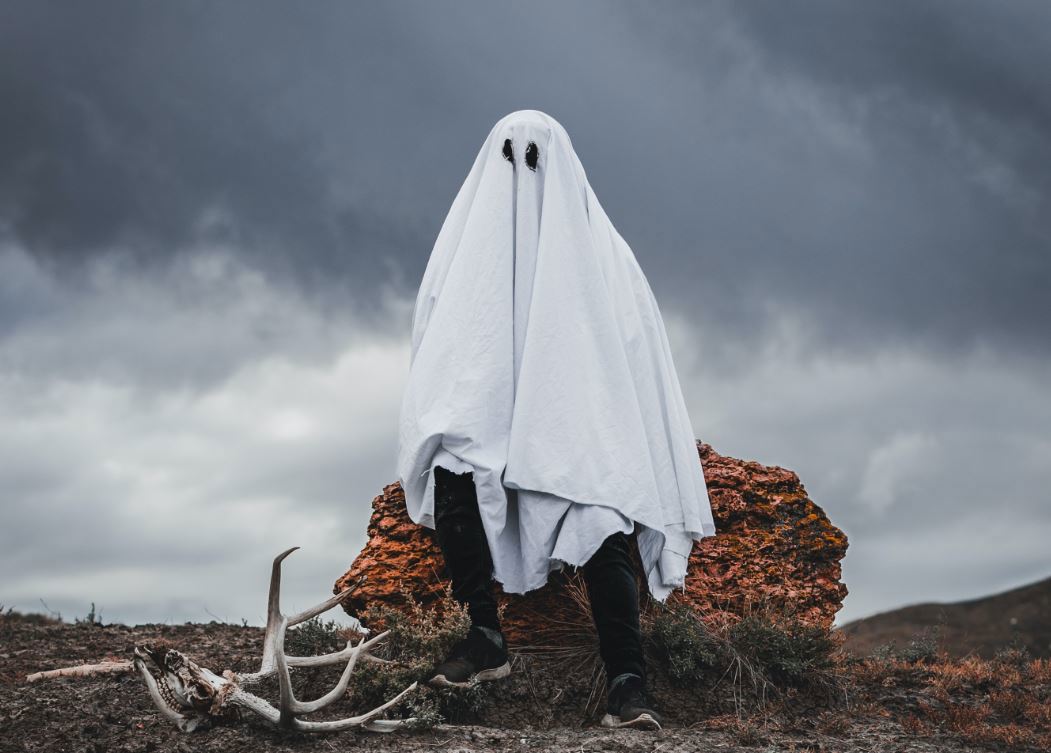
x: 441, y: 681
x: 642, y: 721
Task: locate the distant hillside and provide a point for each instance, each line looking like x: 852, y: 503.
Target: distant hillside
x: 980, y: 625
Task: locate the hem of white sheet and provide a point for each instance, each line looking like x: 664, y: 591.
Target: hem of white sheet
x: 659, y: 588
x: 668, y: 561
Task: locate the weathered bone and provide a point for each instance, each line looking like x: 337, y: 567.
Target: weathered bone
x: 83, y: 670
x: 189, y: 695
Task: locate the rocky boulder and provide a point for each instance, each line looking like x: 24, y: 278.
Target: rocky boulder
x: 773, y: 544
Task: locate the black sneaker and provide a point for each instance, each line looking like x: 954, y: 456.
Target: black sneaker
x: 628, y: 705
x: 475, y: 658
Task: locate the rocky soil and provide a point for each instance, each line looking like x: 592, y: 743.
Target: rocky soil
x: 542, y: 706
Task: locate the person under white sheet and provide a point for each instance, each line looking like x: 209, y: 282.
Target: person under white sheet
x: 540, y: 362
x: 543, y: 422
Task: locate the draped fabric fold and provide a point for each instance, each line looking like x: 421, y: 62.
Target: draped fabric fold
x: 540, y: 363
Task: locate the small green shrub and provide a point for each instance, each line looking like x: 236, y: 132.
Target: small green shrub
x: 314, y: 637
x: 419, y: 638
x: 767, y: 650
x: 92, y: 619
x: 6, y: 620
x: 923, y: 647
x: 424, y: 713
x: 688, y: 652
x: 417, y: 632
x: 788, y: 653
x: 1014, y: 653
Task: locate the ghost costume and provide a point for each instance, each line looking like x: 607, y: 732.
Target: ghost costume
x: 540, y: 363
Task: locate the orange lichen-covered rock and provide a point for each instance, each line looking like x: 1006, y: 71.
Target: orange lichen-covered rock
x: 772, y: 544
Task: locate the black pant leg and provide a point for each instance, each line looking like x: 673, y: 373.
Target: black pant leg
x: 461, y: 537
x: 614, y: 596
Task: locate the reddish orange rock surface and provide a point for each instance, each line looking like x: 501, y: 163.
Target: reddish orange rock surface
x: 772, y: 544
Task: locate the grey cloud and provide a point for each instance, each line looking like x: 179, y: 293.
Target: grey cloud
x: 130, y: 136
x: 145, y: 481
x: 937, y: 469
x: 206, y: 207
x: 146, y: 491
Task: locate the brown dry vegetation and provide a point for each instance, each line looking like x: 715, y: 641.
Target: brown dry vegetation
x: 1003, y: 703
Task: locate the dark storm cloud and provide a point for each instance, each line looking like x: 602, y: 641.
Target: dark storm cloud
x: 957, y: 103
x: 973, y: 57
x: 882, y: 166
x: 127, y: 126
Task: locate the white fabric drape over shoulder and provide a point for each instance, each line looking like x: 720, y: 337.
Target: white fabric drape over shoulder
x: 540, y: 363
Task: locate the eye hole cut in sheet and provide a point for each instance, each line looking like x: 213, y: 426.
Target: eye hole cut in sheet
x: 539, y: 362
x: 532, y: 153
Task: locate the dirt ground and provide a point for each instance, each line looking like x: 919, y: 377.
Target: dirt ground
x: 537, y: 708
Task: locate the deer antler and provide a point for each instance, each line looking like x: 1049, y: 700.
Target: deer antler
x: 190, y: 695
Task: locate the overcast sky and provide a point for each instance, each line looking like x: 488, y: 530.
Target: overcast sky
x: 214, y: 218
